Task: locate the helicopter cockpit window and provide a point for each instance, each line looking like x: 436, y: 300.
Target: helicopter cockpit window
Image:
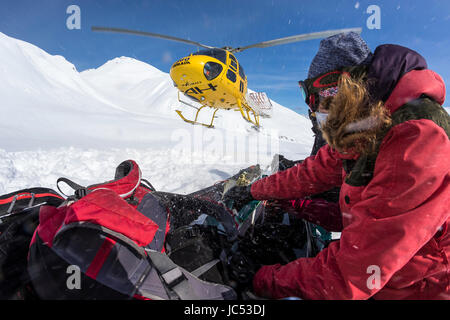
x: 211, y: 70
x: 218, y: 54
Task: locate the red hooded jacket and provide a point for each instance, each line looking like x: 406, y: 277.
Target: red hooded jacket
x: 395, y: 241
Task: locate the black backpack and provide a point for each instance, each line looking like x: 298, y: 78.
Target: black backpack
x: 19, y: 217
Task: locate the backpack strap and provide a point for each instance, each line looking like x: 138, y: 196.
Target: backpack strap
x: 204, y: 268
x: 172, y: 275
x: 19, y: 203
x: 80, y: 191
x: 28, y: 198
x: 127, y: 179
x: 105, y: 231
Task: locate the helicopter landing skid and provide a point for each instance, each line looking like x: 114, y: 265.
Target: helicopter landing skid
x: 246, y: 113
x: 196, y: 116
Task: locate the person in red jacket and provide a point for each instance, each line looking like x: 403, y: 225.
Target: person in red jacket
x: 389, y: 151
x: 342, y: 50
x: 346, y: 49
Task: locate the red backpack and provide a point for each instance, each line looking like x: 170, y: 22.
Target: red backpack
x: 107, y: 242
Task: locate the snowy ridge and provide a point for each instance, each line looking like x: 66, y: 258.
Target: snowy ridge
x: 57, y: 122
x: 138, y: 86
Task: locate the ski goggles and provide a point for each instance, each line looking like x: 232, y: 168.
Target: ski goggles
x: 304, y: 90
x: 315, y: 90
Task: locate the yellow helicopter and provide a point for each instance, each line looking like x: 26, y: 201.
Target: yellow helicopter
x: 214, y: 78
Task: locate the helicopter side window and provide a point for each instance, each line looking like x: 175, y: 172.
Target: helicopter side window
x: 218, y: 54
x: 241, y: 72
x: 231, y: 75
x: 233, y: 61
x: 211, y: 70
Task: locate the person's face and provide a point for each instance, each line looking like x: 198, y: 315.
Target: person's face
x: 321, y: 113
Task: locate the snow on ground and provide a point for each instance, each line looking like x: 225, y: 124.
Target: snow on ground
x: 59, y: 122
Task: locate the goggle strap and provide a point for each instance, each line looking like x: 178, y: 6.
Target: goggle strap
x: 312, y: 101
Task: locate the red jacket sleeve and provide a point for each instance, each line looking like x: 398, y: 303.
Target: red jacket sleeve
x: 318, y: 211
x: 399, y: 211
x: 315, y: 174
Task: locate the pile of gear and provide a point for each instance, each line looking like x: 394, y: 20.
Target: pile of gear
x: 125, y: 240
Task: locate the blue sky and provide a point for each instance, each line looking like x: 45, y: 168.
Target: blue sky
x: 421, y: 25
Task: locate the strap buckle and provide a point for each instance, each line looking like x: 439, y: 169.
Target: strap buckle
x: 173, y: 277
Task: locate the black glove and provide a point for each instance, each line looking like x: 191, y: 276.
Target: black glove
x: 284, y: 163
x: 239, y: 195
x: 241, y: 270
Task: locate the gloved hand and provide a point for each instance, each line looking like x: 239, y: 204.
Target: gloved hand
x: 263, y: 281
x: 241, y: 195
x: 242, y: 270
x: 284, y: 164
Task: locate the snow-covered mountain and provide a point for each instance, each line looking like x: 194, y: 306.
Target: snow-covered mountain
x: 57, y: 121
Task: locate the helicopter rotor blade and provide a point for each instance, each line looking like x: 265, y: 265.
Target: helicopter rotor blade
x: 296, y: 38
x: 149, y: 34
